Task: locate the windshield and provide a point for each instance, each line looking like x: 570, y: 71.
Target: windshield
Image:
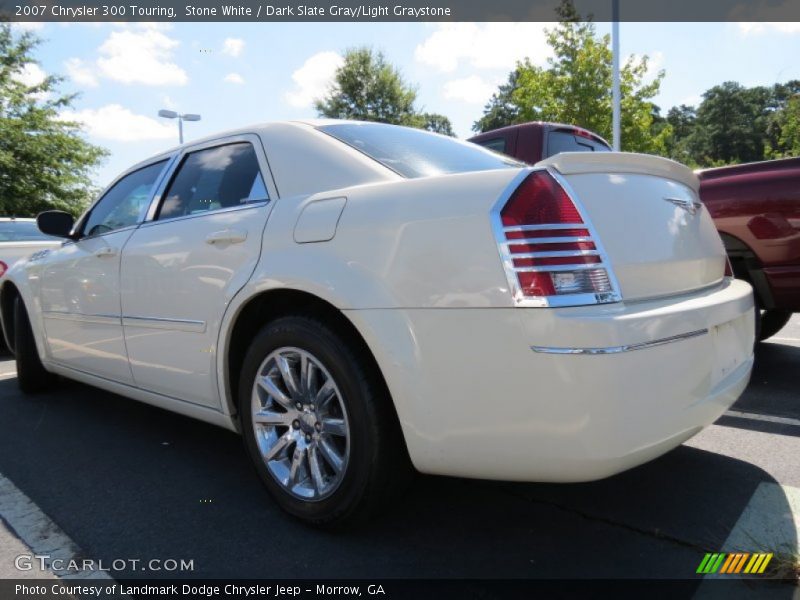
x: 21, y: 231
x: 416, y: 153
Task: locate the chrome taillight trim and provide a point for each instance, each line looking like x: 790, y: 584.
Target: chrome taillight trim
x: 548, y: 240
x: 557, y: 254
x: 507, y: 258
x: 544, y: 227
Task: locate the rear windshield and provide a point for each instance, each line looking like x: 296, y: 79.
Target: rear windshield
x: 416, y: 153
x: 21, y: 231
x: 564, y: 141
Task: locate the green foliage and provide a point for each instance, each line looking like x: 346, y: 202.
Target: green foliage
x: 785, y: 128
x: 735, y: 124
x: 501, y: 109
x: 44, y: 162
x: 575, y: 87
x: 368, y: 88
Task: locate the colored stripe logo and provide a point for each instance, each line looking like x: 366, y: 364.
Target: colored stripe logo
x: 734, y: 562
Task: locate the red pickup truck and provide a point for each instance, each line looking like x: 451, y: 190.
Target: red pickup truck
x: 532, y: 142
x: 756, y: 208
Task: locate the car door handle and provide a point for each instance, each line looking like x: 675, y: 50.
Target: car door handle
x: 105, y: 252
x: 226, y: 236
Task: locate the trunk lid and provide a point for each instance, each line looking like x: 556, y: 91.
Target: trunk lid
x: 658, y: 237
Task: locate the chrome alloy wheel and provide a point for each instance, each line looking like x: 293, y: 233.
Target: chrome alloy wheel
x: 300, y: 423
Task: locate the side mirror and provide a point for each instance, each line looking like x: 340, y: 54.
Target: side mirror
x: 55, y: 222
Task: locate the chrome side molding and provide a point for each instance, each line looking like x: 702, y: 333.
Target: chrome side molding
x: 618, y: 349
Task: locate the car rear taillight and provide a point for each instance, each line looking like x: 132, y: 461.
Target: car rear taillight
x: 3, y: 268
x: 549, y: 249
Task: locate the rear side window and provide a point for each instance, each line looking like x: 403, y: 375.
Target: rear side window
x: 416, y: 153
x: 21, y: 231
x: 496, y: 144
x: 214, y: 179
x: 126, y: 203
x: 564, y: 141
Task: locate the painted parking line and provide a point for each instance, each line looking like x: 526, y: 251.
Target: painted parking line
x: 768, y: 524
x: 763, y: 418
x: 41, y: 534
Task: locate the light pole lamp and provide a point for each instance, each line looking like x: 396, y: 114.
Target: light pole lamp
x: 171, y: 114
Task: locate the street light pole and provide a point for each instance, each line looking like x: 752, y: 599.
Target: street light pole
x: 171, y: 114
x: 615, y: 91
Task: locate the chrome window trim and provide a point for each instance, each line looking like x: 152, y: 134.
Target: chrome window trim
x: 619, y: 349
x: 507, y: 258
x: 219, y: 211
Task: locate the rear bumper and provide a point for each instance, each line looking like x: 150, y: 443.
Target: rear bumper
x: 475, y: 400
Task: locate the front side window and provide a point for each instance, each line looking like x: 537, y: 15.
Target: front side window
x: 124, y: 204
x: 416, y: 153
x: 213, y: 179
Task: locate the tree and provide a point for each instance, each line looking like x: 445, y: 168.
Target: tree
x: 500, y: 110
x: 575, y: 87
x: 368, y: 88
x: 731, y: 124
x: 786, y: 125
x: 44, y: 161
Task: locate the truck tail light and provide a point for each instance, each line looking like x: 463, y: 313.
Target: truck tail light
x: 3, y: 268
x: 550, y: 252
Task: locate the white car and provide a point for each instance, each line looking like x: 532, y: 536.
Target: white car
x: 20, y: 238
x: 357, y: 298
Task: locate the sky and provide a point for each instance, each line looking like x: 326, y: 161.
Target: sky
x: 235, y: 74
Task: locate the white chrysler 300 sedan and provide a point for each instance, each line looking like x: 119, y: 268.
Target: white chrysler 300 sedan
x: 356, y: 298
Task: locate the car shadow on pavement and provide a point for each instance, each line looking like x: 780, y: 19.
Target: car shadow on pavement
x: 773, y: 392
x: 126, y: 480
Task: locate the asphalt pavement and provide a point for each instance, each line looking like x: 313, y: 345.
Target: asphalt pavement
x: 128, y: 481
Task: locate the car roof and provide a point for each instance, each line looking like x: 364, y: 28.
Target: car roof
x: 255, y: 128
x: 16, y: 219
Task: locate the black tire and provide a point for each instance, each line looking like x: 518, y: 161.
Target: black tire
x: 4, y: 350
x: 772, y: 321
x: 378, y: 463
x: 32, y: 377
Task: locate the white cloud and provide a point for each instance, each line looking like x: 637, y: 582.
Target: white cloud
x: 483, y: 46
x: 142, y: 55
x: 767, y: 27
x: 233, y: 46
x: 312, y: 79
x: 30, y: 75
x: 234, y: 78
x: 80, y: 72
x: 117, y: 123
x: 473, y: 89
x: 169, y: 103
